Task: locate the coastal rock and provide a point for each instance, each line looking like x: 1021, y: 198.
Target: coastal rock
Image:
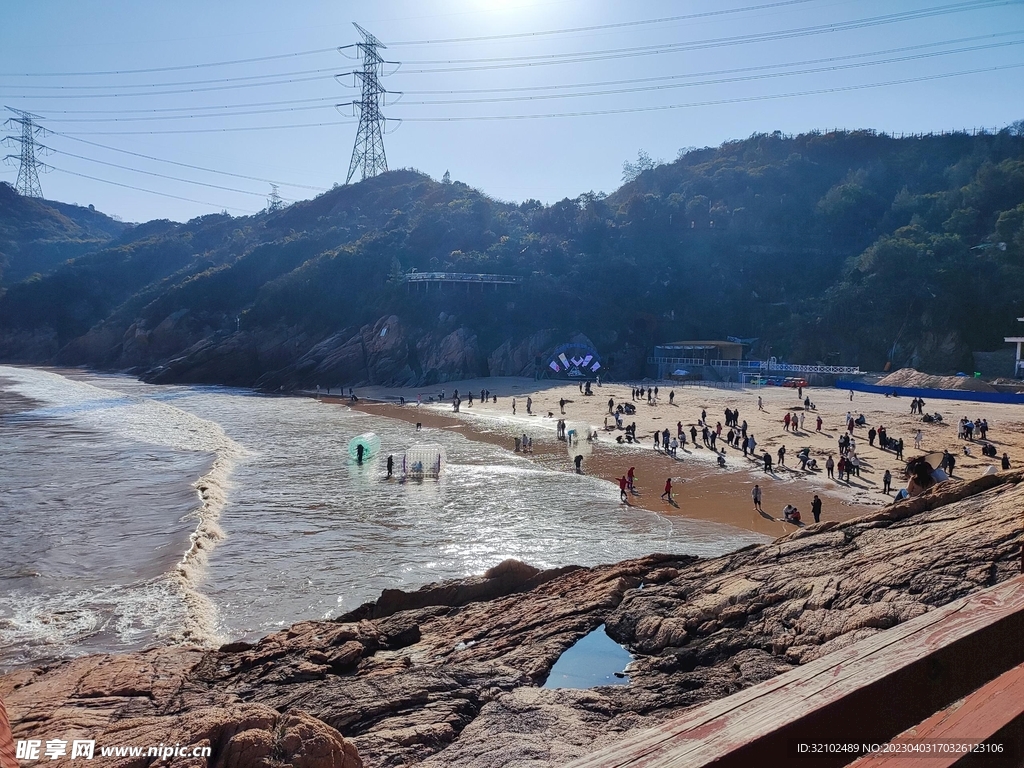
x: 387, y: 352
x: 449, y: 675
x: 519, y: 359
x: 455, y: 356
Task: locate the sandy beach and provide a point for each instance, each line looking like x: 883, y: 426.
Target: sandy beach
x: 702, y: 489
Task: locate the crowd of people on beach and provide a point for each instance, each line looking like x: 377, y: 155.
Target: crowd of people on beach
x: 734, y: 432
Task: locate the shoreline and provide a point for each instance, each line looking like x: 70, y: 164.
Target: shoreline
x: 702, y: 490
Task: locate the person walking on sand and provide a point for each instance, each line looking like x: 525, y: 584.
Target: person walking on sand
x: 630, y: 478
x: 760, y: 405
x: 668, y: 490
x: 819, y: 424
x: 579, y: 462
x: 391, y: 464
x: 785, y: 422
x: 782, y: 455
x: 886, y: 482
x: 756, y: 496
x: 801, y: 422
x: 830, y: 466
x: 918, y: 438
x: 816, y: 508
x: 622, y: 490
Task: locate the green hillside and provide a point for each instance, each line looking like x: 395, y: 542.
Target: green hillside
x: 850, y: 248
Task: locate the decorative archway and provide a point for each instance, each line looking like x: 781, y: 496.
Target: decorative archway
x: 574, y: 361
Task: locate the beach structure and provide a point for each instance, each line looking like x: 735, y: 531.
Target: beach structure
x: 703, y: 351
x: 441, y: 280
x: 422, y: 461
x: 1018, y: 365
x: 574, y: 360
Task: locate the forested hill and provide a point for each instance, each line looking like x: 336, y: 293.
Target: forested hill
x: 850, y: 248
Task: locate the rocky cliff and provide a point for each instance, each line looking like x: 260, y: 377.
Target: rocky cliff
x: 449, y: 675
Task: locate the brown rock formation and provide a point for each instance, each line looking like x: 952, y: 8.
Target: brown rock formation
x: 448, y: 675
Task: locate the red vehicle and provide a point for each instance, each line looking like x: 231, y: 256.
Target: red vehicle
x: 795, y: 382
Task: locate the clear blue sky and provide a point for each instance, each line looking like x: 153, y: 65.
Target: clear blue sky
x: 727, y: 87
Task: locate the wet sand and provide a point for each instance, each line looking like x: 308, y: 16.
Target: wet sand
x: 701, y: 489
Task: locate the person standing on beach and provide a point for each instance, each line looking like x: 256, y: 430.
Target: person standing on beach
x: 611, y: 405
x: 579, y: 462
x: 630, y: 478
x: 816, y: 508
x: 830, y: 466
x: 668, y: 490
x: 360, y: 449
x: 391, y: 464
x: 622, y: 490
x: 819, y: 424
x: 767, y: 462
x: 756, y: 496
x: 886, y: 482
x: 561, y: 405
x: 529, y: 405
x: 513, y: 406
x: 918, y: 438
x: 802, y: 422
x: 782, y: 455
x: 760, y: 405
x: 753, y: 444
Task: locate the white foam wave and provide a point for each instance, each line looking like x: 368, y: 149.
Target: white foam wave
x: 155, y: 422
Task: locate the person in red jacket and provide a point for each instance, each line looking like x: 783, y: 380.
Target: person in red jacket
x: 668, y: 490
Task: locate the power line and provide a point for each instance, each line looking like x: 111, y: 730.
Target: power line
x: 719, y: 81
x: 184, y: 109
x: 831, y: 67
x: 510, y: 62
x: 307, y: 108
x: 186, y: 165
x: 717, y: 102
x: 662, y: 78
x: 167, y: 93
x: 151, y: 191
x: 160, y: 175
x: 601, y: 27
x: 217, y: 130
x: 238, y: 79
x: 178, y: 68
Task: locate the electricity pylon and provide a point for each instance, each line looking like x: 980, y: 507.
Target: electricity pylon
x: 29, y: 167
x: 274, y: 201
x: 368, y: 152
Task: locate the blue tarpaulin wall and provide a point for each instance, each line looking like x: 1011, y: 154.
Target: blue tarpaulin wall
x: 935, y: 394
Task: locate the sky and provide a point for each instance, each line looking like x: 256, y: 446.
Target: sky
x: 521, y: 99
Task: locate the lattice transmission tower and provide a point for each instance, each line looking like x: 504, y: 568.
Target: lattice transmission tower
x: 29, y: 167
x: 368, y: 152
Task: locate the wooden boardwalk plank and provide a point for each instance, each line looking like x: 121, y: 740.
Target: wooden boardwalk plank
x: 990, y: 710
x: 867, y: 692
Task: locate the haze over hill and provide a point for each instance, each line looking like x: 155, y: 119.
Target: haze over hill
x: 845, y: 247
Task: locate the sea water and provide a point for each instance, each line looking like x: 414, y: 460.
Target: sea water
x: 133, y: 514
